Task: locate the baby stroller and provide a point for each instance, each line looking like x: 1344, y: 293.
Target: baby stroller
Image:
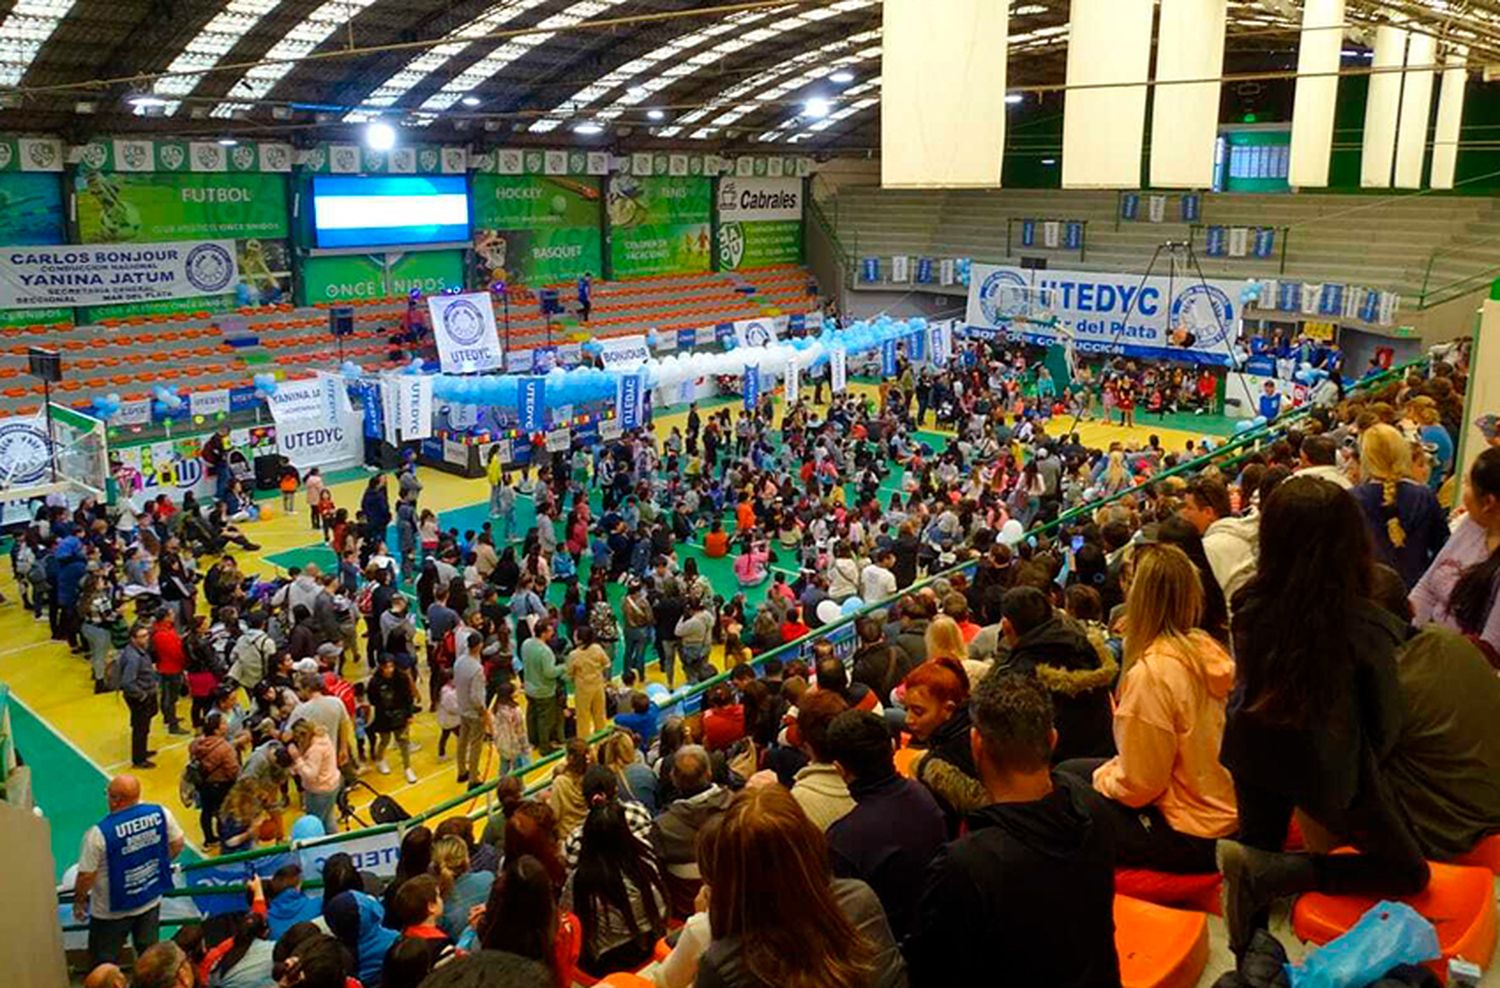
x: 382, y: 809
x: 240, y: 467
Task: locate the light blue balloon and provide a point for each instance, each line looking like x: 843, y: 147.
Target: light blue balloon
x: 1244, y: 425
x: 850, y: 605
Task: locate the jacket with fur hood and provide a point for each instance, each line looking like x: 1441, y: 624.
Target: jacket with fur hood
x: 1079, y: 675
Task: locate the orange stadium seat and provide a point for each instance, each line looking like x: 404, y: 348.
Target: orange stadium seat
x: 1198, y: 892
x: 1159, y: 947
x: 1459, y: 901
x: 1486, y: 854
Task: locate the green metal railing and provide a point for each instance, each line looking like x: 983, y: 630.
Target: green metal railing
x: 1234, y: 450
x: 1433, y: 295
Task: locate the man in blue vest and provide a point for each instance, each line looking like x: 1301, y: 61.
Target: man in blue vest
x: 124, y: 866
x: 585, y: 296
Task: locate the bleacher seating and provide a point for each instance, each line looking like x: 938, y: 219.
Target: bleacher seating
x: 1159, y: 947
x: 1378, y: 242
x: 189, y: 352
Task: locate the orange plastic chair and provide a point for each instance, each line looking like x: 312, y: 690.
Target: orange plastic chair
x: 1159, y: 947
x: 621, y: 979
x: 1196, y: 892
x: 1459, y: 901
x: 1486, y: 854
x: 906, y: 761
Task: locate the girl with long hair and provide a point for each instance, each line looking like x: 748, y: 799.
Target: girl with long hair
x: 461, y: 887
x: 1168, y: 798
x: 1316, y: 708
x: 616, y: 891
x: 1407, y: 525
x: 1460, y: 588
x: 778, y: 917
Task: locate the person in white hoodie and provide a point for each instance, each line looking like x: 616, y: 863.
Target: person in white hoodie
x: 1231, y: 543
x: 1319, y: 458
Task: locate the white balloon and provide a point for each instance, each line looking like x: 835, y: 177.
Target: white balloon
x: 1011, y: 532
x: 828, y: 612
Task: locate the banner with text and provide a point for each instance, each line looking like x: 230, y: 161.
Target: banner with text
x: 1191, y: 320
x: 536, y: 229
x: 350, y: 277
x: 760, y: 222
x: 658, y: 225
x: 47, y: 277
x: 413, y: 405
x: 150, y: 207
x: 624, y: 352
x: 464, y: 327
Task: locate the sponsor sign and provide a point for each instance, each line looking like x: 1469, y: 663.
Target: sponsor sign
x: 47, y: 277
x: 659, y: 225
x: 536, y: 229
x: 624, y: 352
x: 531, y: 403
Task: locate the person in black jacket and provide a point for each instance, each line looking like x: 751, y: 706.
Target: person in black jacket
x: 376, y: 506
x: 1316, y: 710
x: 1028, y: 894
x: 1078, y: 675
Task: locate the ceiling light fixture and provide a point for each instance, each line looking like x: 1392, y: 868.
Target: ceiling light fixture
x: 228, y: 142
x: 146, y: 101
x: 380, y: 136
x: 1013, y: 98
x: 842, y: 77
x: 588, y: 129
x: 470, y: 101
x: 817, y: 108
x: 656, y: 115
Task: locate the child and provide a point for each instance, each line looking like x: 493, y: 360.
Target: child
x: 316, y: 490
x: 363, y: 711
x: 427, y: 533
x: 324, y: 513
x: 447, y: 717
x: 337, y: 530
x: 288, y: 489
x: 619, y: 699
x: 511, y: 743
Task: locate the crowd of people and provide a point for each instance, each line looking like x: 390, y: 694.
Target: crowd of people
x: 1159, y: 682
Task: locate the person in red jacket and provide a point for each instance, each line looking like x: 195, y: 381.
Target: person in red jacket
x: 723, y: 719
x: 171, y: 664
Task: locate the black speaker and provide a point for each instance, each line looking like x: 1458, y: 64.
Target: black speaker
x: 268, y: 468
x: 1034, y: 263
x: 551, y: 303
x: 44, y: 364
x: 341, y: 320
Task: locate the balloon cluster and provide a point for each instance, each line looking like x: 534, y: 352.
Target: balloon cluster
x: 265, y: 385
x: 1250, y: 294
x: 1309, y: 375
x: 1245, y: 425
x: 351, y: 370
x: 167, y: 400
x: 584, y: 384
x: 107, y: 406
x: 961, y: 268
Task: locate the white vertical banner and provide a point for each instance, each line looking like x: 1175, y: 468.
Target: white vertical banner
x: 1185, y: 116
x: 1382, y: 105
x: 942, y: 99
x: 1310, y: 295
x: 390, y: 412
x: 945, y: 271
x: 1318, y: 53
x: 1239, y: 241
x: 414, y: 406
x: 900, y: 269
x: 464, y: 327
x: 1450, y: 116
x: 792, y: 381
x: 1109, y: 46
x: 1156, y: 208
x: 1051, y: 233
x: 838, y: 369
x: 1416, y: 110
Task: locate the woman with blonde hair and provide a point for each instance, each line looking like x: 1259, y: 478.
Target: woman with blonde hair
x: 1407, y: 525
x: 1116, y: 476
x: 778, y: 917
x: 1426, y: 421
x: 461, y: 888
x: 945, y: 640
x: 637, y: 782
x: 1168, y: 798
x: 316, y: 763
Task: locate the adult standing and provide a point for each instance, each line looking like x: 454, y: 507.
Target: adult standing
x: 124, y: 866
x: 1230, y: 543
x: 215, y: 457
x: 393, y: 701
x: 473, y: 712
x: 541, y: 671
x: 139, y: 684
x: 585, y: 296
x: 1407, y: 525
x: 1459, y: 589
x: 218, y: 764
x: 640, y: 620
x: 316, y: 762
x: 695, y: 636
x: 376, y: 504
x: 1316, y: 710
x: 409, y: 486
x: 588, y: 667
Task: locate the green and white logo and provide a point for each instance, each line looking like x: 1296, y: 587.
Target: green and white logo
x: 731, y: 245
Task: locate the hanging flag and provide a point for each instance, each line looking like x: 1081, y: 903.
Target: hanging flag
x: 917, y: 346
x: 531, y: 403
x: 945, y: 271
x: 1216, y: 242
x: 888, y: 359
x: 687, y: 339
x: 871, y: 266
x: 1192, y: 207
x: 1157, y: 208
x: 939, y: 341
x: 924, y: 270
x: 752, y: 387
x: 630, y: 400
x: 1239, y: 241
x: 1389, y: 303
x: 1369, y: 307
x: 413, y: 405
x: 1331, y: 300
x: 1130, y: 205
x: 1310, y: 294
x: 1073, y: 235
x: 792, y: 381
x: 900, y: 269
x: 1265, y: 241
x: 1352, y: 296
x: 1052, y: 234
x: 1289, y: 296
x: 1268, y: 290
x: 838, y: 369
x: 1028, y: 233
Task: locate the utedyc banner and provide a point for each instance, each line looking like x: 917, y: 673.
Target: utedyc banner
x: 1181, y: 319
x: 45, y: 277
x: 464, y: 327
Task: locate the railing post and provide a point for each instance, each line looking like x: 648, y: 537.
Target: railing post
x: 1286, y: 234
x: 1426, y: 276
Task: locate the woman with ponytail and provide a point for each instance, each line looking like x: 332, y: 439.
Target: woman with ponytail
x: 616, y: 891
x: 1459, y: 589
x: 1407, y: 525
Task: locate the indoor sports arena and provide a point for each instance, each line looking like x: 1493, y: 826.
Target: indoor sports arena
x: 761, y: 494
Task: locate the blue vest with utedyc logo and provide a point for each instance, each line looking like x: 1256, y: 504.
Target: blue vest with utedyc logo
x: 138, y: 851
